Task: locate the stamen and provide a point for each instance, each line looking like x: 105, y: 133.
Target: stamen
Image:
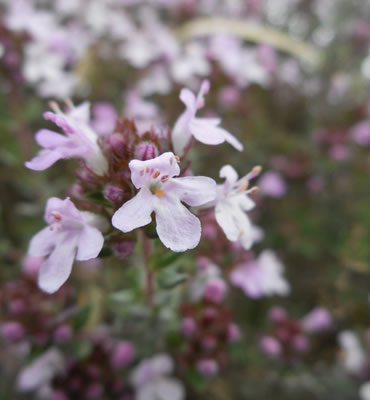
x: 164, y: 178
x: 57, y: 215
x: 159, y: 192
x: 255, y: 172
x: 55, y: 107
x: 177, y: 158
x: 254, y: 189
x: 156, y: 173
x: 147, y: 169
x: 69, y: 103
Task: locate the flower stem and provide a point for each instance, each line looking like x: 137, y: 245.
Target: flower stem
x: 147, y: 252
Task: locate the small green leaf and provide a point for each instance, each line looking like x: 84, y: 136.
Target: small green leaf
x: 81, y: 317
x: 106, y: 251
x: 166, y: 260
x: 123, y: 297
x: 98, y: 198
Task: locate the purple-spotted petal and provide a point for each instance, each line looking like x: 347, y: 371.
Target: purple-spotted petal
x: 90, y: 243
x: 177, y: 227
x: 135, y: 212
x: 57, y: 268
x: 65, y: 207
x: 142, y: 170
x: 43, y: 243
x: 194, y: 190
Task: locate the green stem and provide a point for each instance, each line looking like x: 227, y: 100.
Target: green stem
x: 251, y: 32
x: 147, y: 252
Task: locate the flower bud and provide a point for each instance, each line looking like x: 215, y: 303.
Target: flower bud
x: 146, y: 151
x: 63, y: 333
x: 94, y: 391
x: 12, y: 331
x: 117, y: 144
x: 233, y: 333
x: 123, y: 249
x: 277, y: 314
x: 188, y: 327
x: 209, y: 343
x: 270, y: 346
x: 215, y: 290
x: 114, y: 193
x: 122, y: 355
x: 300, y: 343
x: 207, y: 367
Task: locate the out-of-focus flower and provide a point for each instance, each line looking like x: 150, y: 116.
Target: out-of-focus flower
x: 105, y: 117
x: 160, y: 192
x: 272, y: 184
x: 208, y: 367
x: 232, y: 204
x: 365, y: 391
x: 354, y: 356
x: 271, y: 346
x: 319, y: 319
x: 80, y: 140
x: 361, y: 133
x: 40, y: 372
x: 122, y: 354
x: 205, y: 130
x: 71, y: 234
x: 152, y: 381
x: 263, y: 277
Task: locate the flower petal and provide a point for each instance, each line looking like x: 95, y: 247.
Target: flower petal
x: 57, y: 268
x: 177, y: 227
x: 166, y: 163
x: 194, y: 190
x: 231, y: 177
x: 206, y: 132
x: 90, y: 243
x: 44, y: 160
x: 50, y: 139
x: 135, y: 212
x: 188, y: 98
x: 43, y: 243
x: 224, y: 214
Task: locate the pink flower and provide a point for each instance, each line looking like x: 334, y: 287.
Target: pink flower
x: 319, y: 319
x: 263, y: 277
x: 70, y: 235
x: 271, y: 346
x: 177, y: 227
x: 272, y: 184
x: 231, y: 206
x: 152, y: 381
x: 79, y: 140
x: 205, y: 130
x: 361, y: 133
x: 123, y: 354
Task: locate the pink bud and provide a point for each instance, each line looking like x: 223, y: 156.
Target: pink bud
x: 277, y: 314
x: 123, y: 249
x: 59, y: 395
x: 300, y: 343
x: 63, y: 333
x: 17, y: 306
x: 188, y: 327
x: 122, y: 355
x: 114, y: 193
x: 209, y: 343
x: 272, y: 184
x: 208, y: 367
x: 215, y: 290
x: 12, y: 331
x: 117, y: 144
x: 233, y: 333
x: 270, y: 346
x: 146, y: 151
x: 94, y: 391
x: 203, y: 263
x: 317, y: 320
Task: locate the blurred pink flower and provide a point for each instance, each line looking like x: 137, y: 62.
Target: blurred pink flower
x: 272, y: 184
x: 80, y: 140
x: 263, y: 277
x: 70, y: 235
x: 270, y: 346
x: 152, y: 381
x: 231, y: 206
x: 205, y: 130
x: 361, y: 133
x: 319, y: 319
